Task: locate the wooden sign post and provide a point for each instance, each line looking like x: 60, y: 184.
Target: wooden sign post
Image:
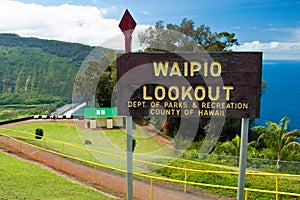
x: 127, y: 25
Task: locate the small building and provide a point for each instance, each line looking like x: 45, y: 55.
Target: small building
x: 103, y: 118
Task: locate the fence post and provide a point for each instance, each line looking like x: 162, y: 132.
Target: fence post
x: 95, y: 174
x: 185, y: 179
x: 7, y: 140
x: 277, y: 188
x: 20, y: 146
x: 91, y: 159
x: 246, y: 194
x: 151, y: 188
x: 36, y: 153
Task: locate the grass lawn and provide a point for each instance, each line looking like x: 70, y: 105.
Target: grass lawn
x: 15, y: 111
x: 24, y: 180
x: 286, y: 184
x: 108, y: 141
x: 61, y: 131
x: 113, y: 141
x: 68, y: 133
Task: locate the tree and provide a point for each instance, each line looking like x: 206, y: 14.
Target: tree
x: 39, y: 133
x: 185, y: 37
x: 106, y: 86
x: 264, y: 87
x: 98, y: 77
x: 231, y: 148
x: 279, y: 139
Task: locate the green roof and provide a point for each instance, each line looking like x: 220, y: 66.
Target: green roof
x: 100, y: 112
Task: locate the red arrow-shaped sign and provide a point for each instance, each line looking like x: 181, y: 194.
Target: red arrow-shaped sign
x: 127, y: 23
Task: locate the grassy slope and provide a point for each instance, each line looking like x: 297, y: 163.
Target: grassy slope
x: 68, y: 133
x: 24, y: 180
x: 255, y: 182
x: 109, y: 141
x: 144, y: 144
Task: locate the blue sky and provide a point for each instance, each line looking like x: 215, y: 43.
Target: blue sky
x: 270, y: 26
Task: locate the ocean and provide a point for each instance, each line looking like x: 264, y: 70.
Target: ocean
x: 283, y: 96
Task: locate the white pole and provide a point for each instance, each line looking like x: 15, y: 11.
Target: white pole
x: 243, y: 158
x: 129, y: 182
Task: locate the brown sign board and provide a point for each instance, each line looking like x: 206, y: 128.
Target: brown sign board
x: 223, y: 84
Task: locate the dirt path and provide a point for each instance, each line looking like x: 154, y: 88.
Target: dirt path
x: 107, y: 180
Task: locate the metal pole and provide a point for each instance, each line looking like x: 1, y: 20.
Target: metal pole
x: 127, y: 41
x: 129, y: 182
x: 127, y: 25
x: 243, y: 158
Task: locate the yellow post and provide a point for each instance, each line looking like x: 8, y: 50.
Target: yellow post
x: 60, y: 162
x: 91, y: 159
x: 277, y: 188
x: 185, y: 179
x: 36, y: 154
x: 151, y: 188
x: 20, y: 147
x: 246, y: 194
x: 95, y: 174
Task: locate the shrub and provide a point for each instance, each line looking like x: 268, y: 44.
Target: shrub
x: 133, y: 144
x: 39, y: 133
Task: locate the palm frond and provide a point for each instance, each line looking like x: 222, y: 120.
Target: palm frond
x: 285, y: 124
x: 292, y: 146
x: 294, y: 133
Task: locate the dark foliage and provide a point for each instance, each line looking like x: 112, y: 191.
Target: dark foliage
x: 39, y: 133
x: 75, y: 51
x: 133, y: 144
x: 36, y: 71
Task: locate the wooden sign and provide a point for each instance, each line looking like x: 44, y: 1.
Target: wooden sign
x: 190, y: 84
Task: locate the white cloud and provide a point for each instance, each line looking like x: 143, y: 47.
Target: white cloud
x: 272, y: 50
x: 87, y: 25
x: 255, y: 46
x: 145, y: 12
x: 84, y: 24
x: 236, y: 27
x: 295, y: 33
x: 117, y: 41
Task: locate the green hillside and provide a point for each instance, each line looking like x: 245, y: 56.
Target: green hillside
x: 35, y: 71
